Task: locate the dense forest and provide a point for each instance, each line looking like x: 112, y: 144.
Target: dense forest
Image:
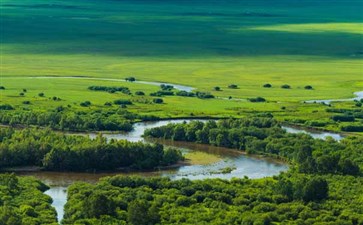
x: 22, y: 202
x: 265, y: 136
x: 61, y: 152
x: 63, y: 118
x: 286, y: 199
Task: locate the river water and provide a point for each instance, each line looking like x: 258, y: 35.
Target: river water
x: 243, y: 165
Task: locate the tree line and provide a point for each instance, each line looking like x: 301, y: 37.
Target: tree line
x: 61, y: 152
x: 265, y: 136
x: 22, y: 201
x: 290, y: 198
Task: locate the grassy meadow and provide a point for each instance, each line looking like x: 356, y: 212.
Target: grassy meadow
x: 202, y: 44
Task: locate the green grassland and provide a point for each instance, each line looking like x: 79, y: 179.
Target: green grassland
x: 196, y: 43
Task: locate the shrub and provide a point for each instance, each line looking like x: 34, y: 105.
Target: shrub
x: 343, y: 118
x: 267, y: 85
x: 21, y: 94
x: 285, y: 86
x: 185, y: 94
x: 233, y: 86
x: 122, y: 102
x: 139, y: 93
x: 166, y: 87
x: 2, y: 88
x: 308, y: 87
x: 108, y: 104
x: 26, y: 102
x: 217, y: 88
x: 358, y: 104
x: 130, y: 79
x: 204, y: 95
x: 158, y: 100
x: 41, y: 94
x: 258, y: 99
x: 85, y: 103
x: 6, y: 107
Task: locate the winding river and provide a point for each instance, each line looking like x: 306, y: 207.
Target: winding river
x: 243, y: 165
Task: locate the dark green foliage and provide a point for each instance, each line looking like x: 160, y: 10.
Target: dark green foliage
x: 124, y: 90
x: 63, y: 119
x: 217, y: 88
x: 257, y: 99
x: 267, y: 85
x: 130, y: 79
x: 162, y: 93
x: 85, y: 104
x: 54, y: 151
x: 352, y: 128
x: 122, y: 102
x: 139, y: 93
x: 6, y: 107
x: 308, y: 87
x: 158, y: 100
x: 261, y: 135
x: 315, y: 189
x: 233, y: 86
x: 358, y: 104
x: 21, y: 94
x: 204, y: 95
x: 2, y: 88
x: 185, y: 94
x: 343, y: 118
x: 276, y: 200
x: 41, y: 94
x: 22, y: 202
x: 166, y: 87
x: 26, y: 102
x: 285, y: 86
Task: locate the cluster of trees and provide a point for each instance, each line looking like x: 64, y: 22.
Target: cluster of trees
x: 354, y: 118
x: 124, y: 90
x: 257, y: 99
x: 64, y: 119
x: 265, y: 136
x: 286, y: 199
x: 22, y: 201
x: 60, y: 152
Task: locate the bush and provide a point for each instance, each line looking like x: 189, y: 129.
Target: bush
x: 108, y: 104
x: 158, y: 100
x: 233, y: 86
x: 85, y: 104
x: 122, y: 102
x: 204, y: 95
x: 352, y: 128
x: 285, y: 86
x: 217, y: 88
x: 26, y: 102
x: 130, y: 79
x: 2, y: 88
x: 139, y: 93
x: 258, y: 99
x: 41, y: 94
x: 185, y: 94
x: 343, y: 118
x: 21, y: 94
x: 267, y: 85
x: 358, y: 104
x: 6, y: 107
x: 162, y: 93
x: 308, y: 87
x: 166, y: 87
